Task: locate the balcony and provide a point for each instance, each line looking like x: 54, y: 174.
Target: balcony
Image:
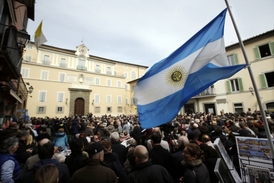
x: 63, y: 65
x: 81, y: 67
x: 109, y: 73
x: 209, y: 92
x: 10, y: 55
x: 46, y: 62
x: 98, y: 70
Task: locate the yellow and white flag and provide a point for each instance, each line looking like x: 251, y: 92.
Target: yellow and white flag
x: 39, y: 37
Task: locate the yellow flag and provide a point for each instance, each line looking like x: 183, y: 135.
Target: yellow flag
x: 39, y: 36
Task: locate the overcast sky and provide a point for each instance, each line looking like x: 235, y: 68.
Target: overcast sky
x: 142, y: 31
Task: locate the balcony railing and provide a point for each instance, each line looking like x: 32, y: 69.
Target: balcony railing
x: 209, y: 92
x: 63, y: 65
x: 46, y: 62
x: 98, y: 70
x: 81, y: 67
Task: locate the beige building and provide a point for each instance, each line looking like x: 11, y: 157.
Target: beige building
x: 69, y: 82
x: 236, y: 94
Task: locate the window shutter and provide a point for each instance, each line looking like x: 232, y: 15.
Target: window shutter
x: 256, y: 53
x: 241, y: 88
x: 236, y: 61
x: 271, y: 46
x: 228, y: 87
x: 263, y: 81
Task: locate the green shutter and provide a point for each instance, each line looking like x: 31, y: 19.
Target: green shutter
x: 228, y: 87
x: 236, y: 61
x: 241, y: 88
x: 271, y: 46
x: 256, y: 53
x: 263, y: 81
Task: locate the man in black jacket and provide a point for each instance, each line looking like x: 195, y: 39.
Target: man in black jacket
x: 146, y: 172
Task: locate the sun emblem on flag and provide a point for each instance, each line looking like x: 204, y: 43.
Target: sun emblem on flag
x: 176, y: 76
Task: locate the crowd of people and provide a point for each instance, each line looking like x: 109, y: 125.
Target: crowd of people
x: 108, y: 148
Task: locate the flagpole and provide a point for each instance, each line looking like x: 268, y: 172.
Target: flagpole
x: 266, y: 127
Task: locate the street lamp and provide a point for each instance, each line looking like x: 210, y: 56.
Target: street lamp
x: 22, y: 39
x: 30, y: 89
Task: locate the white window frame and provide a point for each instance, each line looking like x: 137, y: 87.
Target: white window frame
x: 62, y: 77
x: 60, y: 96
x: 231, y: 59
x: 125, y: 74
x: 41, y: 110
x: 119, y: 99
x: 63, y: 62
x: 42, y: 97
x: 44, y: 75
x: 46, y: 60
x: 96, y: 98
x: 97, y: 81
x: 25, y: 72
x: 59, y: 109
x: 97, y: 68
x: 235, y: 87
x: 109, y: 82
x: 119, y: 84
x: 28, y: 58
x: 120, y: 109
x: 108, y: 99
x: 133, y: 75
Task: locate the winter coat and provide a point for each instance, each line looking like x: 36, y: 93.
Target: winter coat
x: 196, y: 172
x: 75, y: 162
x: 14, y: 173
x: 61, y: 139
x: 94, y: 172
x: 64, y: 175
x: 149, y: 173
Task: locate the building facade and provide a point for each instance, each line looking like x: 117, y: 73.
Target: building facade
x: 236, y: 94
x: 72, y: 82
x: 14, y: 16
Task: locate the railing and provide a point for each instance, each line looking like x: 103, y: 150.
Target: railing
x: 208, y: 91
x: 63, y: 65
x: 46, y: 62
x: 98, y: 70
x: 81, y: 67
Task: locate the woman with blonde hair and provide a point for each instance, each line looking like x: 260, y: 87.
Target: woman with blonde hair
x: 47, y: 174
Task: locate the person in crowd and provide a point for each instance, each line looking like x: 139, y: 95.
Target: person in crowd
x: 163, y: 143
x: 45, y: 153
x: 10, y: 167
x: 145, y: 171
x: 196, y: 171
x: 22, y: 153
x: 61, y: 140
x: 76, y: 159
x: 47, y: 174
x: 210, y: 159
x: 117, y: 147
x: 129, y: 160
x: 158, y: 154
x: 95, y: 171
x: 112, y: 161
x: 245, y: 130
x: 177, y: 168
x: 89, y: 131
x: 136, y: 133
x: 193, y: 138
x: 207, y: 140
x: 126, y: 126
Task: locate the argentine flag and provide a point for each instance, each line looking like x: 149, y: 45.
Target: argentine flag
x: 192, y: 68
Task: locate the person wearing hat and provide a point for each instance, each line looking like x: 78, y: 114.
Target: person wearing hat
x: 95, y: 171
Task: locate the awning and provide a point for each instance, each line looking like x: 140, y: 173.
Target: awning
x: 15, y: 96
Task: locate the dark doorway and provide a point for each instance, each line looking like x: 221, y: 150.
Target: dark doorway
x: 79, y: 106
x: 189, y: 108
x: 210, y: 108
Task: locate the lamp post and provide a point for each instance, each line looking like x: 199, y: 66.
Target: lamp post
x: 251, y: 90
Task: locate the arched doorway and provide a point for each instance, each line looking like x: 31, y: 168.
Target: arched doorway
x: 79, y: 106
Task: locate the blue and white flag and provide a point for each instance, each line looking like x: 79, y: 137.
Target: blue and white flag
x: 192, y: 68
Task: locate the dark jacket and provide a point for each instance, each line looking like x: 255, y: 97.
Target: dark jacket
x: 149, y: 173
x: 161, y: 156
x: 64, y: 175
x: 120, y: 150
x: 94, y: 172
x: 21, y: 154
x: 136, y: 133
x: 76, y: 162
x: 201, y: 174
x: 112, y: 161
